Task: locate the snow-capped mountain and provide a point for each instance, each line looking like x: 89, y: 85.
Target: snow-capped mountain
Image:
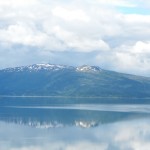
x: 86, y: 68
x: 52, y: 67
x: 38, y: 67
x: 61, y: 80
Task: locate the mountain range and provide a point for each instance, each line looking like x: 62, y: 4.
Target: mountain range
x: 69, y: 81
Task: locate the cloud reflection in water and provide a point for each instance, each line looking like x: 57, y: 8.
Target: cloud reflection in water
x: 124, y: 135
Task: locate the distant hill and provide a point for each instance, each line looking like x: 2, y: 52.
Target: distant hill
x: 59, y: 80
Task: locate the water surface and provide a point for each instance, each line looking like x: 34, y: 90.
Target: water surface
x: 37, y: 124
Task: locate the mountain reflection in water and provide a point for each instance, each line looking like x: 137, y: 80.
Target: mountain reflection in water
x: 28, y: 125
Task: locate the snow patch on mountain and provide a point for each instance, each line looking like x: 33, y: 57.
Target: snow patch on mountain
x: 51, y: 67
x: 46, y: 67
x: 37, y: 67
x: 86, y: 68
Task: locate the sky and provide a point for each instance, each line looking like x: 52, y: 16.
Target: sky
x: 112, y: 34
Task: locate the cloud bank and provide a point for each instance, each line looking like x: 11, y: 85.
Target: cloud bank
x: 111, y: 34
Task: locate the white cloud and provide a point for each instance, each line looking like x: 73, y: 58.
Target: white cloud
x: 73, y: 26
x: 120, y: 3
x: 21, y: 34
x: 141, y: 47
x: 77, y: 43
x: 70, y: 15
x: 17, y: 2
x: 137, y: 18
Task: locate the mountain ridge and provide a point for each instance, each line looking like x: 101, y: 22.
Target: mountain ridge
x: 62, y: 80
x: 54, y: 67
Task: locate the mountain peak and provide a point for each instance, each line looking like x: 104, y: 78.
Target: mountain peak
x: 86, y: 68
x: 46, y: 67
x: 84, y: 81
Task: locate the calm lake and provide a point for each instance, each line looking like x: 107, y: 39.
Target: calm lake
x: 36, y: 123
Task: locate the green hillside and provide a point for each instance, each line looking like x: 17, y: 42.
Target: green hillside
x: 70, y: 81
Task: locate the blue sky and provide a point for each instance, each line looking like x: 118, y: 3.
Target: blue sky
x: 113, y: 34
x: 126, y: 10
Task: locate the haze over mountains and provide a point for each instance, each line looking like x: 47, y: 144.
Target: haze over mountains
x: 60, y: 80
